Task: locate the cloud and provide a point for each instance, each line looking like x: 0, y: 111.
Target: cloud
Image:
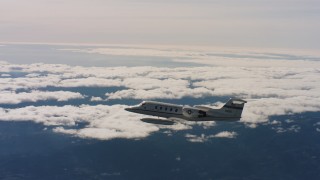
x: 237, y: 57
x: 32, y: 75
x: 89, y: 82
x: 261, y: 109
x: 10, y: 97
x: 204, y: 138
x: 225, y: 134
x: 5, y: 75
x: 317, y: 125
x: 292, y: 128
x: 13, y: 84
x: 161, y: 93
x: 195, y: 138
x: 101, y: 121
x: 178, y: 158
x: 154, y: 83
x: 289, y: 121
x: 269, y: 91
x: 93, y: 98
x: 272, y: 87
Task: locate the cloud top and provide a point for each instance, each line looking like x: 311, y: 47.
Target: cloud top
x: 102, y: 121
x: 11, y: 97
x: 270, y: 89
x: 203, y: 138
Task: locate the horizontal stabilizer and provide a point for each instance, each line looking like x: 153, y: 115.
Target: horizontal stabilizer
x: 203, y: 108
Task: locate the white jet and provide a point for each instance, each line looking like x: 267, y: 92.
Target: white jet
x: 231, y: 111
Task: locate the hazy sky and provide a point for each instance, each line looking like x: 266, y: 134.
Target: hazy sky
x: 239, y: 23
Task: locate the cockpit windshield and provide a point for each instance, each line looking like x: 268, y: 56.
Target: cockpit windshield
x: 143, y: 103
x: 237, y: 102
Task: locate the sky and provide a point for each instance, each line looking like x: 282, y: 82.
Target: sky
x: 234, y: 23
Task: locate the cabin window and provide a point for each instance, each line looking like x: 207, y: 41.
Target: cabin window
x: 165, y: 108
x: 160, y: 107
x: 156, y: 107
x: 176, y: 110
x: 170, y: 109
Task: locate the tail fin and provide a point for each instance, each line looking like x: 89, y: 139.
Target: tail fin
x: 234, y: 106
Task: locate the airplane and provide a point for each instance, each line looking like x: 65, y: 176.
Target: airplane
x: 231, y: 111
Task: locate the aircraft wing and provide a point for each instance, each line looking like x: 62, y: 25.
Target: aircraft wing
x: 175, y: 119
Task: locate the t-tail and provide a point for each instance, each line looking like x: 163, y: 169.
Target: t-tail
x: 234, y: 107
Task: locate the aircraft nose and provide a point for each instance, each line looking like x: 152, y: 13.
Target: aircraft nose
x: 132, y: 109
x: 127, y: 109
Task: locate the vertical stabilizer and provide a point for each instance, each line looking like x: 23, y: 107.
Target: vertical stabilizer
x: 234, y: 107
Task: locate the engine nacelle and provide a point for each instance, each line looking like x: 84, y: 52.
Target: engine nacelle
x: 193, y: 112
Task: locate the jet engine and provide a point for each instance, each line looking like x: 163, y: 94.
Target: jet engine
x: 193, y: 112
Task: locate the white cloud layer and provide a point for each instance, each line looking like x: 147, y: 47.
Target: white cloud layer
x: 10, y: 97
x: 163, y: 93
x: 269, y: 90
x: 271, y: 87
x: 102, y: 121
x: 5, y: 75
x: 238, y: 57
